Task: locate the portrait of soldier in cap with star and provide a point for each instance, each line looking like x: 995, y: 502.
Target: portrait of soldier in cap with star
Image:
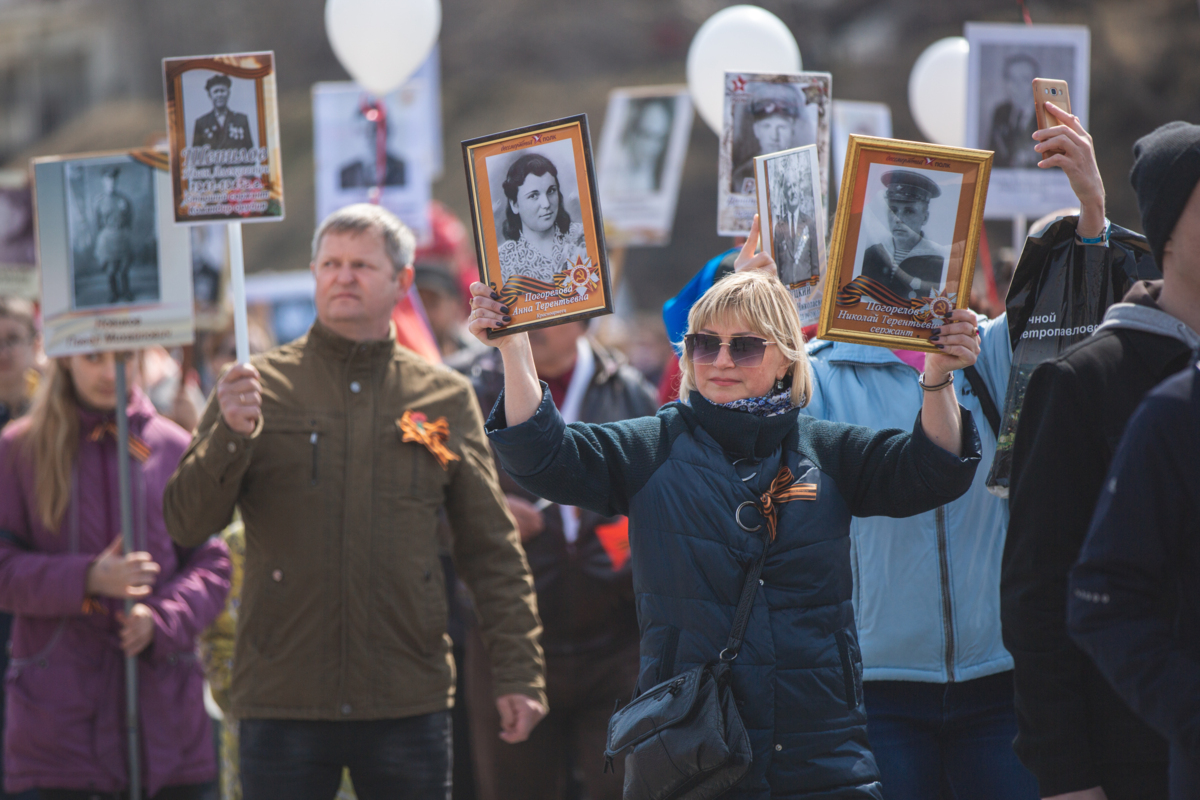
x: 222, y: 128
x: 906, y: 262
x: 779, y: 122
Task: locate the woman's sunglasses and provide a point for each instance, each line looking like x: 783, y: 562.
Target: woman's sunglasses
x: 746, y: 351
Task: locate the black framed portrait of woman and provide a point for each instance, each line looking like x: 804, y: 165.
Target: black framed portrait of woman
x: 538, y: 231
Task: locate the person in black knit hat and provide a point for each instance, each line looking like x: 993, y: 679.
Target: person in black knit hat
x: 1075, y: 733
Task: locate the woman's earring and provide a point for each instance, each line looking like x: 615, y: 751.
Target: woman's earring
x: 779, y: 384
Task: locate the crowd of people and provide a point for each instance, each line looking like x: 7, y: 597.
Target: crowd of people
x: 397, y: 578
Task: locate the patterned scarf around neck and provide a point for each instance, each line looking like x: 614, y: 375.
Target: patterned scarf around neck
x: 771, y: 404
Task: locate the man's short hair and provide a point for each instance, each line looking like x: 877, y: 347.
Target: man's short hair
x: 398, y: 241
x: 223, y: 80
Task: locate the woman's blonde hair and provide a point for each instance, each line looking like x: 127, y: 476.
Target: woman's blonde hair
x: 51, y: 439
x: 765, y: 307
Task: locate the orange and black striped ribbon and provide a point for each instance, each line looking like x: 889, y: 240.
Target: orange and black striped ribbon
x: 414, y: 427
x: 137, y: 448
x: 852, y: 293
x: 783, y: 491
x: 522, y: 284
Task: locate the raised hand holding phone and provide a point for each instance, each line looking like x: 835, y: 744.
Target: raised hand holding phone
x: 1068, y: 146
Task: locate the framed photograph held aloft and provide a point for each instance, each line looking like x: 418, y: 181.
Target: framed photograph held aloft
x: 116, y: 270
x: 640, y: 164
x: 764, y: 114
x: 903, y: 247
x: 539, y: 234
x: 347, y: 129
x: 789, y: 202
x: 223, y: 135
x: 18, y: 254
x: 1002, y: 64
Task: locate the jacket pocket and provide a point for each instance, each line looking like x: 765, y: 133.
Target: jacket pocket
x: 851, y: 668
x: 294, y: 450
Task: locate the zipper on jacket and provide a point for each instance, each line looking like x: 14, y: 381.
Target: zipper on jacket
x: 313, y: 440
x: 944, y: 576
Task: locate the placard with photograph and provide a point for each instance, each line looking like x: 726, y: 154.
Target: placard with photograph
x: 640, y: 164
x: 116, y: 271
x: 539, y: 234
x: 855, y: 117
x: 223, y: 134
x: 18, y: 257
x: 788, y: 211
x: 210, y: 276
x: 764, y: 114
x: 346, y: 134
x: 903, y: 247
x: 1003, y: 62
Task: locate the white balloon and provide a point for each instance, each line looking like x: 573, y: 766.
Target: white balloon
x: 382, y: 42
x: 736, y: 39
x: 937, y: 91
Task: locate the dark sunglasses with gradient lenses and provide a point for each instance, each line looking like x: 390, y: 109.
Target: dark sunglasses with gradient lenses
x: 746, y: 351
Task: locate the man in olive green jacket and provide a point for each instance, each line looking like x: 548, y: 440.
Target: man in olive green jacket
x: 339, y: 449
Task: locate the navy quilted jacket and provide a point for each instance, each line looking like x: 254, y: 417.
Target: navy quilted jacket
x: 681, y: 476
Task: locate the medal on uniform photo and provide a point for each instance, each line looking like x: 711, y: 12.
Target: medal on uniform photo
x: 223, y: 135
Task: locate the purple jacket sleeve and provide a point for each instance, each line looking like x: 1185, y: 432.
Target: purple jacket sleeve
x: 187, y: 603
x: 32, y: 584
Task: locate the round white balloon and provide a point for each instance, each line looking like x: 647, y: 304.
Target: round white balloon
x: 937, y: 91
x: 736, y: 39
x: 382, y: 42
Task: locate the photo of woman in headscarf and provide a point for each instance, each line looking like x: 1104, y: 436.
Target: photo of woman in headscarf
x: 539, y: 236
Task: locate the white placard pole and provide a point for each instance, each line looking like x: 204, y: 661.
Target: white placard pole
x: 124, y: 488
x: 237, y: 281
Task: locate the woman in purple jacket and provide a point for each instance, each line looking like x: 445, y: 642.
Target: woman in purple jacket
x: 63, y: 577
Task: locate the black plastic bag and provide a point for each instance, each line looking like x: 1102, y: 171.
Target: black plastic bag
x: 1059, y: 293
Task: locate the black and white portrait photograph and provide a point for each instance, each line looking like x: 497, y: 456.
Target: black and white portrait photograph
x: 1004, y: 59
x: 223, y: 138
x: 219, y: 111
x: 536, y: 209
x: 535, y: 212
x: 767, y: 114
x: 365, y: 147
x: 116, y: 271
x: 112, y: 230
x: 640, y: 164
x: 794, y: 236
x: 907, y: 229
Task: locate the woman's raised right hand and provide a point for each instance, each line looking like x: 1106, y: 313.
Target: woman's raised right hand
x: 115, y: 575
x: 748, y: 259
x: 488, y: 313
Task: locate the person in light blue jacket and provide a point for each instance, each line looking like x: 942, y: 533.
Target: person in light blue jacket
x: 937, y: 681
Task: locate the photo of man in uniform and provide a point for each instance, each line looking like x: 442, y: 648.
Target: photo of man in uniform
x: 361, y: 173
x: 1014, y: 120
x: 793, y: 240
x: 222, y: 128
x: 779, y: 123
x: 907, y: 263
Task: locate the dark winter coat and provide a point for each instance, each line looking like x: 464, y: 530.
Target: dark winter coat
x: 1134, y: 605
x: 683, y: 477
x: 1073, y: 730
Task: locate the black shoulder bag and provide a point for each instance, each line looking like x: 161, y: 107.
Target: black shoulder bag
x: 685, y: 737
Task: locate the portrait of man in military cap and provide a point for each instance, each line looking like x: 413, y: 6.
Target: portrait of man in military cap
x: 112, y: 232
x: 221, y: 128
x: 906, y: 261
x: 776, y: 119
